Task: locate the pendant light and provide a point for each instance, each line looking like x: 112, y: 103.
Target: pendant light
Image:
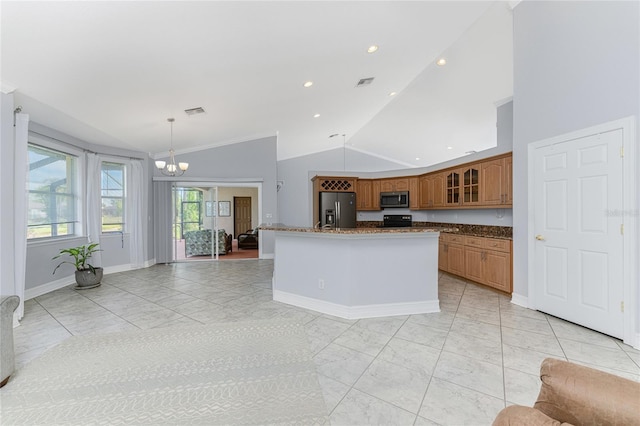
x: 171, y: 168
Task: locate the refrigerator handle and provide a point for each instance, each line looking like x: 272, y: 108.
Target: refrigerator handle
x: 337, y: 214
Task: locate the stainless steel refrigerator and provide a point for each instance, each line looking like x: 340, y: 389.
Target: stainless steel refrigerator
x: 338, y: 209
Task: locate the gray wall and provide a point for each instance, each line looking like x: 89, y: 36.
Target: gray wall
x: 243, y: 161
x: 576, y: 65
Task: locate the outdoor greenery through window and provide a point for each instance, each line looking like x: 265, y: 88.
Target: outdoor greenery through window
x: 189, y: 211
x: 113, y: 196
x: 52, y: 193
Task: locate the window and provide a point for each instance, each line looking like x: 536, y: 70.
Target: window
x: 52, y: 193
x: 113, y: 196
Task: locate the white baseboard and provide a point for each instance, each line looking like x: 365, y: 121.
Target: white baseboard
x: 31, y: 293
x: 636, y: 341
x: 34, y: 292
x: 519, y: 300
x: 268, y: 256
x: 357, y: 312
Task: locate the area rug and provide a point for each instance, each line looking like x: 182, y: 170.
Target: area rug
x: 235, y: 373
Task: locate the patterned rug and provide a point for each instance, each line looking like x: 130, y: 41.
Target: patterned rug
x: 235, y: 373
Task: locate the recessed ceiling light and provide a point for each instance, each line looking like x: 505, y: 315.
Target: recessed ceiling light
x: 393, y: 93
x: 417, y: 158
x: 316, y: 115
x: 449, y: 147
x: 372, y: 48
x: 441, y: 62
x: 308, y: 84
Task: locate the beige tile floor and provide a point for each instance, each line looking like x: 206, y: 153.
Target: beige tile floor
x: 459, y: 366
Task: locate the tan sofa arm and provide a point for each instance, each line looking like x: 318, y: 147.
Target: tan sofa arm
x: 580, y: 395
x: 518, y: 415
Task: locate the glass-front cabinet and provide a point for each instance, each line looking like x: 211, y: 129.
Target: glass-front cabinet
x: 453, y: 188
x: 471, y: 186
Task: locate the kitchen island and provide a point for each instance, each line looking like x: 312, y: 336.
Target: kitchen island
x: 359, y: 272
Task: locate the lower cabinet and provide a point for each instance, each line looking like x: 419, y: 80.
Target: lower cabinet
x: 483, y: 260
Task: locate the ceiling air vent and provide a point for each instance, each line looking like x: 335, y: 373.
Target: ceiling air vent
x: 365, y: 81
x: 194, y: 111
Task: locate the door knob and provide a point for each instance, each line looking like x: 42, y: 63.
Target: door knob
x: 540, y: 237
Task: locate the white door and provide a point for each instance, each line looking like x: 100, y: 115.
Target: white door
x: 578, y: 254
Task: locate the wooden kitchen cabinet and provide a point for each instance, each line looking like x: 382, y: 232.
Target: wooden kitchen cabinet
x: 473, y: 264
x: 414, y: 193
x: 454, y: 249
x: 334, y: 183
x: 452, y: 189
x: 368, y: 194
x: 497, y: 270
x: 470, y: 185
x: 484, y: 260
x: 463, y: 187
x: 443, y: 259
x: 432, y: 188
x: 495, y: 178
x: 481, y: 184
x: 393, y: 185
x: 508, y: 179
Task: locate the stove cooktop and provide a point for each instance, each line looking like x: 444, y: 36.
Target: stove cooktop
x: 397, y: 221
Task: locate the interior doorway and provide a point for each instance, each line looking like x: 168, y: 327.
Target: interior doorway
x: 242, y: 215
x: 207, y: 220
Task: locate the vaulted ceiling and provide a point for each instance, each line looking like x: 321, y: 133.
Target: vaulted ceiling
x: 111, y: 73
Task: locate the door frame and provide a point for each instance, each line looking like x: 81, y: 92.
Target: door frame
x: 629, y: 217
x: 234, y: 183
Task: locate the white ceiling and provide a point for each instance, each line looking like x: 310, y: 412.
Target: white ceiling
x: 112, y: 72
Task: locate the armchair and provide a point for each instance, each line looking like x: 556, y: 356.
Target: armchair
x: 248, y: 240
x: 8, y: 304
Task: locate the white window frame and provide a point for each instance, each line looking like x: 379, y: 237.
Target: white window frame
x: 126, y: 165
x: 63, y: 148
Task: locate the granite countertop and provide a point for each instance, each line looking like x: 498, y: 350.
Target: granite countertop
x: 282, y: 227
x: 478, y: 234
x: 487, y: 231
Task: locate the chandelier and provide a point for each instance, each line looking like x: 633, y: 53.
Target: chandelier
x: 170, y: 168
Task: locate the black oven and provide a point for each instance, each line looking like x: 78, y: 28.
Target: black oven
x: 397, y: 221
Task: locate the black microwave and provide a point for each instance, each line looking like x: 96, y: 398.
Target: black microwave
x: 394, y: 199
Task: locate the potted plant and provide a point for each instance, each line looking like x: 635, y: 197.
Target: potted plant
x: 87, y: 275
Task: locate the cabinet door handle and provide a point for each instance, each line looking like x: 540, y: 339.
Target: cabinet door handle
x: 540, y: 238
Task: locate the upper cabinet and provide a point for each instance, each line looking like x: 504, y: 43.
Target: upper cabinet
x: 414, y: 193
x: 486, y: 183
x: 470, y: 185
x: 368, y: 194
x: 334, y: 184
x: 393, y: 185
x: 432, y: 190
x: 452, y: 188
x: 495, y: 177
